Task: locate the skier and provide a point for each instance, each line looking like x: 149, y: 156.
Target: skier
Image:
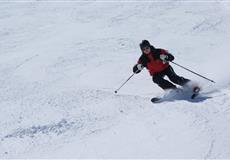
x: 157, y: 60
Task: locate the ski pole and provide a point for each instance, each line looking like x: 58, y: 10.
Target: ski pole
x: 194, y: 72
x: 124, y: 83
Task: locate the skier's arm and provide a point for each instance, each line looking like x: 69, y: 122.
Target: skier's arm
x: 138, y: 67
x: 165, y: 56
x: 170, y: 57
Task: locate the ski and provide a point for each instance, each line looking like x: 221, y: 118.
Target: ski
x: 156, y: 100
x: 178, y: 94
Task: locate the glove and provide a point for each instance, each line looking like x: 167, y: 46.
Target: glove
x: 166, y: 58
x: 137, y: 68
x: 140, y: 67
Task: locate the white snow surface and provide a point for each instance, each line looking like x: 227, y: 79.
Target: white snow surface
x: 61, y: 61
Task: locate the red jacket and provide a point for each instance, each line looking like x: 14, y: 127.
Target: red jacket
x: 153, y: 62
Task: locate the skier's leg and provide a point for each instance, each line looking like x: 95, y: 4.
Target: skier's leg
x: 175, y: 78
x: 160, y: 81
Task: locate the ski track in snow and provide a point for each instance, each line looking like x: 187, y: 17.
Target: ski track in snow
x: 61, y: 62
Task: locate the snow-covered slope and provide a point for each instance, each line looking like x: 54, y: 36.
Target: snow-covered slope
x: 60, y: 63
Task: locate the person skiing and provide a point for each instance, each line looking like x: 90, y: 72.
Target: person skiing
x: 156, y: 60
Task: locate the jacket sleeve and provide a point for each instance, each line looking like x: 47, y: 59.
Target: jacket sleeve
x: 143, y: 60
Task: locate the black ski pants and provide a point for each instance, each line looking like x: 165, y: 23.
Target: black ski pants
x: 158, y: 78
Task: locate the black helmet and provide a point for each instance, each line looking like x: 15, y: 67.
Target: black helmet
x: 144, y: 44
